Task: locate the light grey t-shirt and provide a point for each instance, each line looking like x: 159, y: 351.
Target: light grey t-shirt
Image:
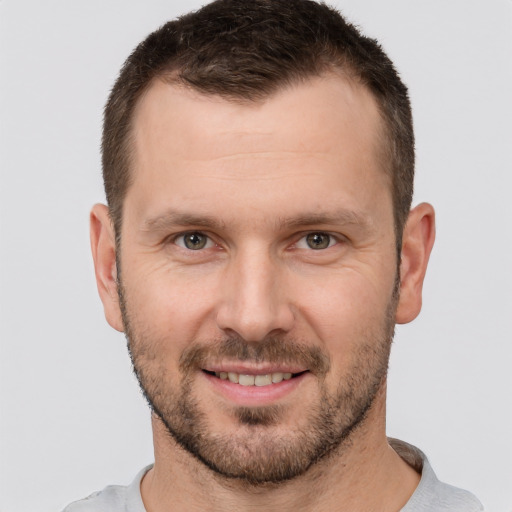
x: 431, y: 495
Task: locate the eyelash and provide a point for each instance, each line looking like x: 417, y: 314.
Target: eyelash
x: 303, y: 240
x: 332, y: 240
x: 208, y: 243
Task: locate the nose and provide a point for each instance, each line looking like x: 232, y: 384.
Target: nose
x: 253, y: 299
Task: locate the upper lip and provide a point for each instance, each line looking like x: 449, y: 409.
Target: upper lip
x: 253, y: 369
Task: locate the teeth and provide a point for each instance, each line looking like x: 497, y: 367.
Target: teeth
x: 254, y: 380
x: 262, y: 380
x: 246, y: 380
x: 277, y: 377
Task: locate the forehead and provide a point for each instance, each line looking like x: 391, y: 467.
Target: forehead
x: 330, y: 102
x: 320, y: 134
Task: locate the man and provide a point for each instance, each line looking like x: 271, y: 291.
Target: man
x: 257, y: 250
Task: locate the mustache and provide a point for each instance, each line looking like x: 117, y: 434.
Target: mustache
x: 269, y: 350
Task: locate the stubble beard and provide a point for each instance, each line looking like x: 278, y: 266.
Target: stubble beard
x: 259, y: 452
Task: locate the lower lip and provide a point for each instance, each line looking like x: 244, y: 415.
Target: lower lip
x: 254, y: 395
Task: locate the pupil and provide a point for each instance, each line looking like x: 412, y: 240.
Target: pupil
x: 195, y: 241
x: 318, y: 240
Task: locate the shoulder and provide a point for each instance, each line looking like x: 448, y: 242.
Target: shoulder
x: 432, y: 495
x: 114, y: 498
x: 111, y: 499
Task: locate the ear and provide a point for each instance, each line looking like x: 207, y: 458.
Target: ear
x: 418, y: 239
x: 103, y: 248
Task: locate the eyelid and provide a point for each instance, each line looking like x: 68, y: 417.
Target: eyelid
x: 335, y: 239
x: 180, y: 236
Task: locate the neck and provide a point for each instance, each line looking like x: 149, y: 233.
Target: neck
x: 364, y: 474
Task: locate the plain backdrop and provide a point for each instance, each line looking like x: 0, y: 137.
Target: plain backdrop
x: 72, y: 417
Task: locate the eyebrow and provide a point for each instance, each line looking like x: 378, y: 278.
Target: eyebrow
x: 338, y: 217
x: 172, y: 218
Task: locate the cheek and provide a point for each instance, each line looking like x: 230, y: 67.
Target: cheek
x: 346, y: 310
x: 169, y: 304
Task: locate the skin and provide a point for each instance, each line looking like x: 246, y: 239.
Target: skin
x: 308, y: 156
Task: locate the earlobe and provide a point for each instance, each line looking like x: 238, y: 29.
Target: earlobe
x: 104, y: 255
x: 418, y: 239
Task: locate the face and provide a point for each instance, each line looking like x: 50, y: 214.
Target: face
x: 258, y: 271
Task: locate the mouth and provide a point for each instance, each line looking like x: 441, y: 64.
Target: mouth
x: 255, y: 384
x: 257, y: 380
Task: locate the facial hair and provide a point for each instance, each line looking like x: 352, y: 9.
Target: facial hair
x: 259, y: 452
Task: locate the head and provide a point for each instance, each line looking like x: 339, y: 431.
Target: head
x: 258, y: 162
x: 245, y: 52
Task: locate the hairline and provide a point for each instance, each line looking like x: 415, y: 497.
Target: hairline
x: 171, y: 75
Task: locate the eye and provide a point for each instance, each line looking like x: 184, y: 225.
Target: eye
x: 193, y: 241
x: 316, y: 241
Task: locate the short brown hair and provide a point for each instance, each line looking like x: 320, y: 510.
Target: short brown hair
x: 243, y: 50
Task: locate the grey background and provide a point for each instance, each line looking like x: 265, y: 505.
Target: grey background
x: 72, y: 418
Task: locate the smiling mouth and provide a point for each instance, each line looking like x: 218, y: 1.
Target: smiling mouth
x: 254, y: 380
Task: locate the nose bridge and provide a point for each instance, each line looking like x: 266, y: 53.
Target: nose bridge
x: 254, y: 302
